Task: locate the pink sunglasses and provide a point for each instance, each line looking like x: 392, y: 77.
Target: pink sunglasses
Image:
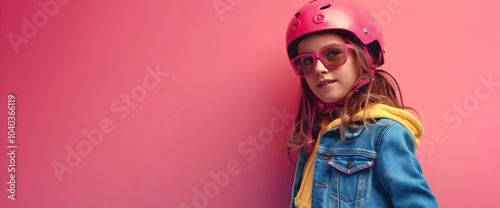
x: 332, y: 56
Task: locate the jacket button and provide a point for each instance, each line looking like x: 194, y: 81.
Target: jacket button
x: 349, y: 164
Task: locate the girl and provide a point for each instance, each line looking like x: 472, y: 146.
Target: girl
x: 355, y: 139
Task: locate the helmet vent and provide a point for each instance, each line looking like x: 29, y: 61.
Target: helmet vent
x: 325, y: 6
x: 296, y: 15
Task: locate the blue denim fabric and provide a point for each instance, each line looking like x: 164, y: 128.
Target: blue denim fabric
x: 374, y: 167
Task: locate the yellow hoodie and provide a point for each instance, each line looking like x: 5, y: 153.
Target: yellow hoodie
x: 405, y: 118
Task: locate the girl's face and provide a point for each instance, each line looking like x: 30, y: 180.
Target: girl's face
x: 330, y: 85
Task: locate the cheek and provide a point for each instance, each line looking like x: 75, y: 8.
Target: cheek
x: 353, y: 70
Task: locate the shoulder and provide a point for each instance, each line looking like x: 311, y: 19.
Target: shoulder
x: 387, y: 124
x: 392, y: 134
x: 383, y: 126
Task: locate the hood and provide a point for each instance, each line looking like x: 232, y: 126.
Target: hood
x: 405, y: 118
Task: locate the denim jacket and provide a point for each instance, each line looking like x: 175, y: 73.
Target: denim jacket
x: 375, y: 167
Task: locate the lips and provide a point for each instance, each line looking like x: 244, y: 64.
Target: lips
x: 325, y: 82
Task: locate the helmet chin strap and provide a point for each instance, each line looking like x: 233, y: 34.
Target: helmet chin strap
x: 329, y: 106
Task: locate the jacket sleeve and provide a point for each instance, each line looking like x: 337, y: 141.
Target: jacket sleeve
x: 398, y: 171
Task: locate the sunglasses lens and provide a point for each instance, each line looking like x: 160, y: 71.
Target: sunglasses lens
x: 334, y: 56
x: 303, y: 65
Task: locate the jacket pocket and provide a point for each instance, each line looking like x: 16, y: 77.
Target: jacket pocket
x: 351, y: 177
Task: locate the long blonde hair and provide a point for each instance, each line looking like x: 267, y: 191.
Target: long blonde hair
x: 383, y: 89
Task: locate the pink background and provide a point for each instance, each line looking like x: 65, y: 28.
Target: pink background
x: 220, y: 104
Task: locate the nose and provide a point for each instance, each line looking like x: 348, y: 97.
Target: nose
x: 320, y: 68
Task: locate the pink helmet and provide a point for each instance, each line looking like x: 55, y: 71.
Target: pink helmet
x: 343, y: 15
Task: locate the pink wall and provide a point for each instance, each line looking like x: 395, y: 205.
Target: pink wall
x: 187, y: 105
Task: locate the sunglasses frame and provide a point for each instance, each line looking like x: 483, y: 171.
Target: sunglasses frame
x: 317, y: 56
